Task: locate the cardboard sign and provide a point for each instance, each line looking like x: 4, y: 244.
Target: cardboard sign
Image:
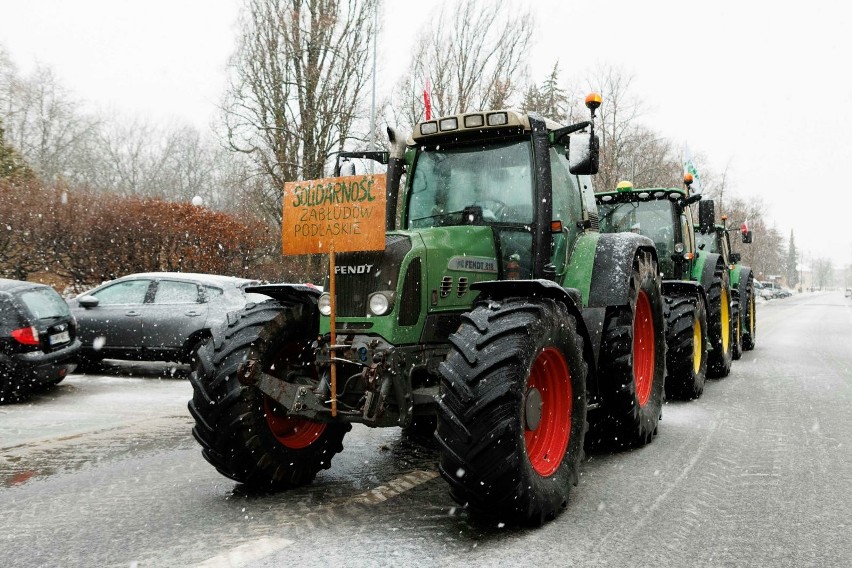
x: 346, y: 212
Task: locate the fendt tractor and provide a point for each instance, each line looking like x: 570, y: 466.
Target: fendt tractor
x: 715, y: 238
x: 695, y: 283
x: 497, y: 317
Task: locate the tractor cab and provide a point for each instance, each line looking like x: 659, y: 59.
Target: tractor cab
x: 658, y: 213
x: 512, y: 172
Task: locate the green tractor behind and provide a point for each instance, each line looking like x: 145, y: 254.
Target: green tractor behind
x: 695, y: 284
x: 497, y: 318
x: 715, y: 238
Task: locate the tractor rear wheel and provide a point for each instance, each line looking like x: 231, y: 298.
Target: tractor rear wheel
x: 632, y: 363
x: 749, y: 318
x: 736, y: 323
x: 244, y: 434
x: 720, y: 324
x: 512, y: 410
x: 686, y: 358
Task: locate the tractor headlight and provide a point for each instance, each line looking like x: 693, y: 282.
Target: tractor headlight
x: 380, y: 303
x: 324, y: 304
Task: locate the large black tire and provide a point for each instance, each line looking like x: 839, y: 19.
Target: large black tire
x: 632, y: 364
x: 686, y: 342
x: 749, y: 318
x: 512, y: 410
x: 736, y: 322
x: 720, y: 324
x: 244, y: 434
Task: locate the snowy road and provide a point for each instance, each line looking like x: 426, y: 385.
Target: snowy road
x: 103, y: 471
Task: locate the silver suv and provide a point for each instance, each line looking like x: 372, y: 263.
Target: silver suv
x: 155, y: 316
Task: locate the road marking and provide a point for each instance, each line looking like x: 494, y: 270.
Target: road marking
x: 319, y: 516
x: 394, y: 487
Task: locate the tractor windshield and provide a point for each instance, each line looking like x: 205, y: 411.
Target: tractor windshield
x: 654, y: 219
x: 707, y: 242
x: 472, y: 184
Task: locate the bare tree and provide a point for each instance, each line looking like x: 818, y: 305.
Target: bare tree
x: 629, y: 150
x: 298, y: 78
x: 45, y: 123
x: 473, y: 55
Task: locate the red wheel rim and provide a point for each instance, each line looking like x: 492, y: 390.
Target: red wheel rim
x: 643, y: 348
x: 294, y: 433
x: 546, y: 435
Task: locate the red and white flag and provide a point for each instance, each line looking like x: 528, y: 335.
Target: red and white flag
x: 427, y: 99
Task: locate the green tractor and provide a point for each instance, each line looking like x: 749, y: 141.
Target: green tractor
x: 715, y: 238
x: 695, y: 284
x: 498, y: 319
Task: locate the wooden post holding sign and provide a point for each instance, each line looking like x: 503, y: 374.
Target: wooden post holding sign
x: 331, y: 215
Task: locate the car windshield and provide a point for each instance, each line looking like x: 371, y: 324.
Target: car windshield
x: 496, y: 178
x: 44, y: 303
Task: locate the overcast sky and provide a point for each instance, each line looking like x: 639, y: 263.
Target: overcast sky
x: 762, y: 89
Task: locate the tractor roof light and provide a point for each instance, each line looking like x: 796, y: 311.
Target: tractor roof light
x: 429, y: 128
x: 498, y: 119
x: 448, y: 124
x: 593, y: 101
x: 688, y: 179
x: 473, y: 121
x: 624, y: 186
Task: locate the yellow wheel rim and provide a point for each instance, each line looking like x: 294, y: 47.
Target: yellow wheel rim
x: 696, y: 346
x: 751, y: 317
x: 726, y: 323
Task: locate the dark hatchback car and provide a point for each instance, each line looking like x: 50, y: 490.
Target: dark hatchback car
x: 38, y: 338
x: 156, y: 316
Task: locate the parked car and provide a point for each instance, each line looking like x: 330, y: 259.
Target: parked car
x: 38, y: 338
x: 762, y: 291
x: 155, y: 316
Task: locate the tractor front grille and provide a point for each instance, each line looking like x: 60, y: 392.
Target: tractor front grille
x: 359, y: 274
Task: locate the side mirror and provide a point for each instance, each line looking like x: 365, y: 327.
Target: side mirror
x: 706, y: 215
x: 747, y: 236
x: 735, y: 257
x: 583, y: 154
x: 88, y: 302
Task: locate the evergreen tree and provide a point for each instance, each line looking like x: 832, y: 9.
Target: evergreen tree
x: 792, y: 260
x: 12, y: 165
x: 548, y: 99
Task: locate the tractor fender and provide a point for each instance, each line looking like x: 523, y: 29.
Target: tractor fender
x: 735, y: 272
x: 298, y: 296
x: 501, y: 289
x: 613, y: 267
x: 742, y: 285
x: 711, y: 261
x: 684, y: 288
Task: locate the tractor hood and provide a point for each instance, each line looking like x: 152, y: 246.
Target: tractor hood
x: 423, y: 273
